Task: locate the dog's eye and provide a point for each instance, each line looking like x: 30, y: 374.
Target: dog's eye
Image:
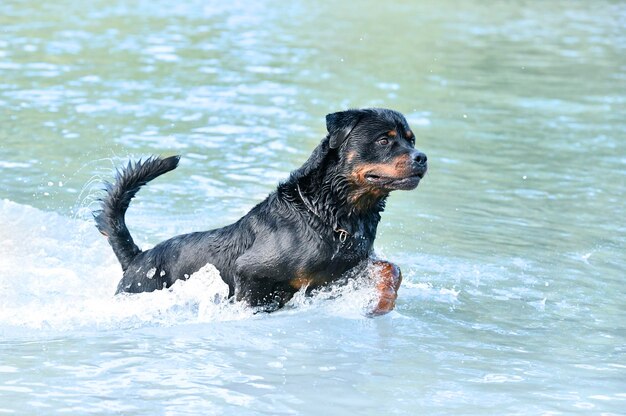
x: 383, y: 141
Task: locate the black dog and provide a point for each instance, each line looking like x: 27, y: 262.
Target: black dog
x: 316, y: 227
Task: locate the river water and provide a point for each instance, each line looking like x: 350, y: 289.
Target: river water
x: 512, y: 247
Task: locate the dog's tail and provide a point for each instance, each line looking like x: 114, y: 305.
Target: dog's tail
x: 110, y: 219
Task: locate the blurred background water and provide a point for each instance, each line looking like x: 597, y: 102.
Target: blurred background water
x: 512, y: 247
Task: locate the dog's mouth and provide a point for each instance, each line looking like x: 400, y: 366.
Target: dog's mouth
x: 405, y: 183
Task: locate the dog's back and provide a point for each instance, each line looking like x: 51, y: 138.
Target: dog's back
x: 181, y: 256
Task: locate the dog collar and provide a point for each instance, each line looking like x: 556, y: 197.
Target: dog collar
x: 343, y: 234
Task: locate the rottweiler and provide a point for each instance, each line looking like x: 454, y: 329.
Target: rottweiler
x: 316, y: 228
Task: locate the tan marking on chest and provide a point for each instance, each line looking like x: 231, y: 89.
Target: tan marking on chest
x: 305, y: 279
x: 300, y: 282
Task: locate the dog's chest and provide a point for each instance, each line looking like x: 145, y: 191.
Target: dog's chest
x: 353, y: 247
x: 342, y: 251
x: 330, y: 261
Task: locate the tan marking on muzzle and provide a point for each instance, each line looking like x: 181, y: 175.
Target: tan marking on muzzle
x: 398, y: 167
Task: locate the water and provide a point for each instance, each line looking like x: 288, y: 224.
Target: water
x: 512, y: 247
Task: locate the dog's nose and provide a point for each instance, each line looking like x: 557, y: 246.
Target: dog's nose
x: 420, y: 158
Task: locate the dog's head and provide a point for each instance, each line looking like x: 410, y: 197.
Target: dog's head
x: 376, y: 150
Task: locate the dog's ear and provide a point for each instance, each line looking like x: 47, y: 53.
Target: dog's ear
x: 339, y: 126
x: 315, y: 162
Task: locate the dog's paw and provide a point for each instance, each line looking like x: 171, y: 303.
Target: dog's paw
x: 388, y: 278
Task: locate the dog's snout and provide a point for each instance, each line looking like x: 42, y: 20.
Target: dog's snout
x: 420, y: 158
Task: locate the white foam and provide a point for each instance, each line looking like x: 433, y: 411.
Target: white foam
x: 352, y: 300
x: 427, y: 291
x: 59, y: 273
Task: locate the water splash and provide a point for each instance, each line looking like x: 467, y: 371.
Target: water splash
x: 58, y: 274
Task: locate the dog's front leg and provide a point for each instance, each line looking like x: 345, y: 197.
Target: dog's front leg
x: 387, y: 277
x: 261, y: 292
x: 258, y: 280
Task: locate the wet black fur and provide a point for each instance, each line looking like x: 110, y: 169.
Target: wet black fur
x: 292, y: 233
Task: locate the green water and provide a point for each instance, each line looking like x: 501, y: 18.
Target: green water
x: 512, y: 246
